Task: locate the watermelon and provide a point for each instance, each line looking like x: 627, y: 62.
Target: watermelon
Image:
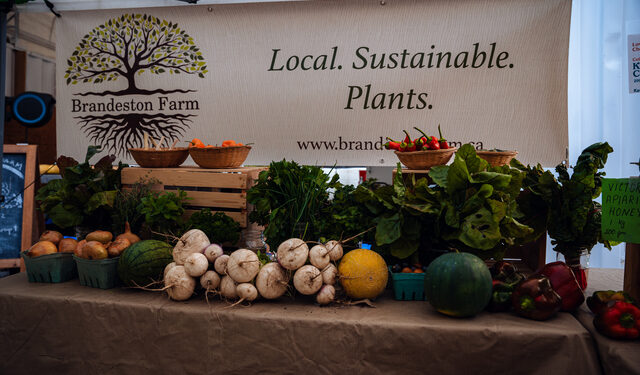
x: 143, y: 262
x: 458, y: 284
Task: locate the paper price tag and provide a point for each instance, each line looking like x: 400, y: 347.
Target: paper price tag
x: 621, y: 209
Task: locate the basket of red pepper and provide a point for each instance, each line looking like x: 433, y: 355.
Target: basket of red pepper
x: 423, y: 152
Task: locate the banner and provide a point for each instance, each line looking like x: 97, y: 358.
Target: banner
x: 321, y: 82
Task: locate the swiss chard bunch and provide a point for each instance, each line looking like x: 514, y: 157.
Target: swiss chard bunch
x: 479, y: 211
x: 288, y: 199
x: 219, y: 227
x: 573, y: 217
x: 345, y: 217
x: 85, y: 194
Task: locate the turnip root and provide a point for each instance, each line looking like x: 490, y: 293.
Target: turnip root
x: 272, y: 281
x: 228, y: 288
x: 329, y: 274
x: 243, y: 265
x: 179, y: 284
x: 210, y: 280
x: 194, y: 241
x: 128, y: 235
x: 212, y: 252
x: 335, y: 249
x: 246, y: 292
x: 196, y: 264
x: 292, y: 253
x: 167, y: 268
x: 220, y: 264
x: 326, y: 295
x: 319, y: 256
x: 101, y: 236
x: 307, y: 280
x: 51, y: 236
x: 118, y: 246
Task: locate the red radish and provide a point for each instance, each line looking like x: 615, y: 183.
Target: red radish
x: 335, y: 250
x: 194, y: 241
x: 228, y: 288
x: 220, y: 264
x: 307, y: 280
x: 329, y: 274
x: 272, y: 281
x: 212, y: 252
x: 243, y: 265
x: 319, y: 256
x: 210, y: 280
x: 196, y: 264
x: 292, y: 253
x: 326, y: 295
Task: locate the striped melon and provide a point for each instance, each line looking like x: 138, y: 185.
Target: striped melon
x: 143, y: 262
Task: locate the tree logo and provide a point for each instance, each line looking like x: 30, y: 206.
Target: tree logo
x: 120, y: 50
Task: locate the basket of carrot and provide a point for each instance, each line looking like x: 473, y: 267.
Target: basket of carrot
x: 229, y: 155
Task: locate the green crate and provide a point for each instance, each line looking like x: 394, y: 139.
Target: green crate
x: 101, y: 273
x: 408, y: 286
x: 50, y: 268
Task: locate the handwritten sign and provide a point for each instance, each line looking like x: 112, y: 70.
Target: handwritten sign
x: 621, y: 209
x: 13, y: 168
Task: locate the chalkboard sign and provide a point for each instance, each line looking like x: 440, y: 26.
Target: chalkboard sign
x: 17, y: 211
x: 13, y: 168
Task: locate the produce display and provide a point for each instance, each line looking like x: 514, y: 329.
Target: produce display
x: 422, y: 142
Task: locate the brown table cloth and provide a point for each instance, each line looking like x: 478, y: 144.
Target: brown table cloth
x: 70, y: 329
x: 617, y: 357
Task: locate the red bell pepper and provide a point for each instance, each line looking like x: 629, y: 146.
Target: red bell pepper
x: 505, y: 279
x: 534, y: 298
x: 620, y: 321
x: 564, y: 283
x: 602, y: 299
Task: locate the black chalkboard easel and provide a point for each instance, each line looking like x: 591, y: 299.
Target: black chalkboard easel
x: 17, y: 212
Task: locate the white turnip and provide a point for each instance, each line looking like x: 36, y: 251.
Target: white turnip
x: 292, y: 253
x: 196, y: 264
x: 179, y: 284
x: 329, y: 274
x: 212, y: 252
x: 243, y: 265
x: 220, y: 265
x: 194, y: 241
x: 326, y: 295
x: 272, y: 281
x: 167, y: 268
x: 210, y: 280
x: 246, y: 292
x: 228, y: 288
x: 335, y: 249
x: 307, y: 280
x: 319, y: 256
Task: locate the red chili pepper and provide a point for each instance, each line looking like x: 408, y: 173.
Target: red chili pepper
x: 564, y: 283
x: 431, y: 143
x: 392, y: 145
x: 419, y: 143
x: 409, y: 144
x: 407, y: 139
x: 620, y: 321
x: 443, y: 142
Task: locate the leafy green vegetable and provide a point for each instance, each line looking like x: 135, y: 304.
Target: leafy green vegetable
x: 126, y: 207
x: 573, y: 218
x: 85, y: 195
x: 219, y: 227
x: 163, y: 212
x: 288, y: 199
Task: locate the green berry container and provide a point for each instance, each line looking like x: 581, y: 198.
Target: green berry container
x: 101, y: 273
x: 408, y: 286
x: 50, y: 268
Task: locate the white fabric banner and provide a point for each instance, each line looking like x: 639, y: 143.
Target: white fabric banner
x: 317, y: 82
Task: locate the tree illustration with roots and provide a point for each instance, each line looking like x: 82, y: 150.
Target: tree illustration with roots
x: 122, y: 49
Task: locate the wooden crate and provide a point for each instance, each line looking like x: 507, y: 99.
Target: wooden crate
x: 221, y: 190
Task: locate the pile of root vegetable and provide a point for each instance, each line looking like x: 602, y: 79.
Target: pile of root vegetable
x: 242, y: 277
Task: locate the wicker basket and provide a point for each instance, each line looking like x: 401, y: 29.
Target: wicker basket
x: 425, y: 159
x: 497, y: 158
x: 163, y: 158
x: 220, y: 157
